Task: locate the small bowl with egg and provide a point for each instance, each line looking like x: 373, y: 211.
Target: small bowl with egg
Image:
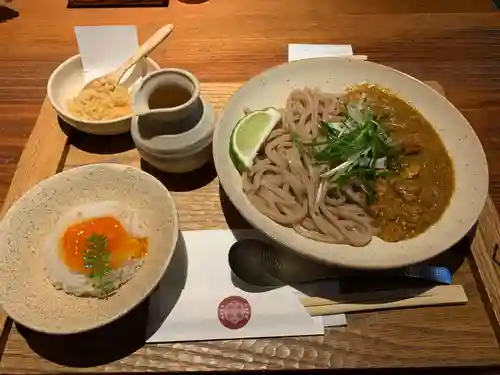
x: 84, y: 247
x: 95, y: 110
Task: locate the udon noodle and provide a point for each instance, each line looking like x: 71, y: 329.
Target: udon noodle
x: 285, y: 185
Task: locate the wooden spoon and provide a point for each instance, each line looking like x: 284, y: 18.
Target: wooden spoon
x: 146, y: 48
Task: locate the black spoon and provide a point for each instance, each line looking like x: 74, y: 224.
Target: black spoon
x: 259, y: 263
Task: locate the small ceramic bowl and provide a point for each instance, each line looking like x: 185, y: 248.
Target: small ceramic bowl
x: 176, y: 138
x: 26, y: 293
x: 68, y: 79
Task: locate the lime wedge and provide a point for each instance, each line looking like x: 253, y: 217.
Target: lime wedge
x: 249, y: 134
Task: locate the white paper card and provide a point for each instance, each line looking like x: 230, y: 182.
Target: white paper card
x: 273, y: 314
x: 220, y: 242
x: 208, y: 281
x: 105, y: 48
x: 307, y: 51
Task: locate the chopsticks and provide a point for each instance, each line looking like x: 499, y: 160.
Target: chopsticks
x: 351, y: 57
x: 386, y: 299
x: 355, y: 57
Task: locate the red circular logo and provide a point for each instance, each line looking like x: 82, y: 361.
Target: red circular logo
x: 234, y: 312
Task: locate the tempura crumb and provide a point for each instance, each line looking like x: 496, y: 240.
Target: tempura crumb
x: 102, y: 100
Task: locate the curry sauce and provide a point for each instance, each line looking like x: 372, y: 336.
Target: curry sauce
x: 415, y: 194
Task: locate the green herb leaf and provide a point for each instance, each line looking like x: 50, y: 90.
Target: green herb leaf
x: 356, y: 147
x: 96, y: 260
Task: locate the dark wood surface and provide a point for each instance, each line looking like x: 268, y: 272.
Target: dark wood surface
x: 115, y: 3
x: 456, y: 43
x: 453, y: 42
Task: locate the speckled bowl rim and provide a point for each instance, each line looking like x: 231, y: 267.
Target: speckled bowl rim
x: 271, y: 88
x: 144, y: 292
x: 185, y: 147
x: 66, y: 113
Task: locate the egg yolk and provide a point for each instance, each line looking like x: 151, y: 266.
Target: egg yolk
x: 120, y: 244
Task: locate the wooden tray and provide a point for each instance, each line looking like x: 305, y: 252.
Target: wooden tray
x: 425, y: 337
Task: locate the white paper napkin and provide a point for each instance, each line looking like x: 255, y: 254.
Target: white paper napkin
x: 105, y: 48
x: 306, y: 51
x: 188, y: 311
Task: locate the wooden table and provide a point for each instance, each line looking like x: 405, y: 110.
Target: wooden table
x: 222, y: 41
x: 230, y: 41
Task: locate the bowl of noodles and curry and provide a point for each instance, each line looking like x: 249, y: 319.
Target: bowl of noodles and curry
x: 351, y: 163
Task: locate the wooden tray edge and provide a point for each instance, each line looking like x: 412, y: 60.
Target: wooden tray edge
x: 37, y: 162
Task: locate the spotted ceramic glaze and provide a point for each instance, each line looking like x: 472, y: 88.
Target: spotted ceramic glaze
x: 180, y: 151
x: 25, y: 292
x: 272, y: 87
x: 67, y: 81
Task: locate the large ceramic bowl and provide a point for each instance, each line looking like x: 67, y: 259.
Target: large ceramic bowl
x: 67, y: 81
x: 25, y: 292
x: 272, y: 87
